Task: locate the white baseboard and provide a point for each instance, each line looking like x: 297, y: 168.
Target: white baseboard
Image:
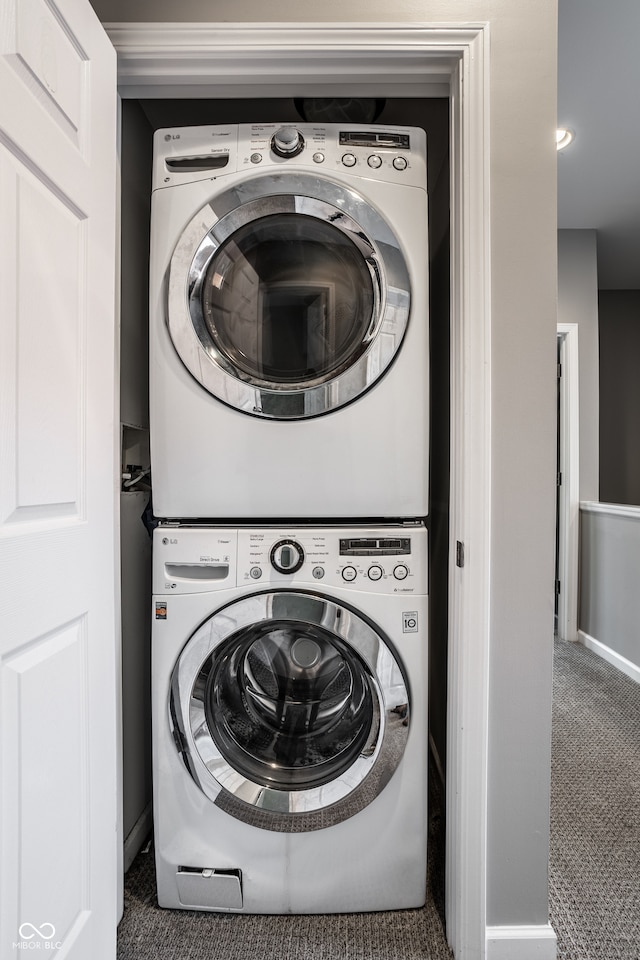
x: 615, y: 659
x: 521, y: 943
x: 137, y: 835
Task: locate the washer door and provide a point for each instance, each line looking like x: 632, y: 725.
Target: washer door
x: 288, y: 296
x: 290, y: 710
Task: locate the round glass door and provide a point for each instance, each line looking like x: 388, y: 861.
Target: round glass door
x: 288, y: 298
x: 287, y: 704
x: 290, y: 710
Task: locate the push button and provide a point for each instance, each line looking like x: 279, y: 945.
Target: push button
x: 401, y: 572
x: 348, y: 160
x: 400, y: 163
x: 375, y: 572
x: 349, y: 574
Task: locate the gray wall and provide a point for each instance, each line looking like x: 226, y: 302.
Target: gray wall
x: 136, y: 668
x: 619, y: 396
x: 523, y: 245
x: 135, y: 177
x: 578, y: 303
x: 134, y: 413
x: 609, y: 595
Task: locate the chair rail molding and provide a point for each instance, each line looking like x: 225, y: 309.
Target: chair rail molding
x: 228, y: 60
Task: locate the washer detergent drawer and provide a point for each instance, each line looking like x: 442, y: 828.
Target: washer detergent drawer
x: 207, y: 888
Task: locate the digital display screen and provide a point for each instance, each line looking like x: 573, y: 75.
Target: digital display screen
x: 364, y: 138
x: 375, y: 547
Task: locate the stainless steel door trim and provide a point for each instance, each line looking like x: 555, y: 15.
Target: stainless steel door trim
x: 306, y: 196
x: 267, y: 807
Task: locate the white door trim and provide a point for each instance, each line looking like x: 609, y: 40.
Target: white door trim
x: 568, y: 519
x: 253, y: 60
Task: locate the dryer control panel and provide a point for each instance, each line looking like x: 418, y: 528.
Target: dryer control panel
x: 382, y: 560
x: 384, y: 153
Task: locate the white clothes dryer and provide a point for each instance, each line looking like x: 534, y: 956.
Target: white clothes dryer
x: 289, y: 322
x: 289, y: 694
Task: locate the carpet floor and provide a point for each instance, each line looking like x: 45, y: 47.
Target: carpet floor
x: 595, y: 808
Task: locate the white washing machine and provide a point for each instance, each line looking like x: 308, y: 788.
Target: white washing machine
x: 289, y: 322
x: 290, y: 718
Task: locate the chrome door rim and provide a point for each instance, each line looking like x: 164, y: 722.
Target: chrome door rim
x: 274, y: 808
x: 306, y: 196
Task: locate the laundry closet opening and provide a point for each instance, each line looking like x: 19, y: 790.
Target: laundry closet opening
x: 140, y: 118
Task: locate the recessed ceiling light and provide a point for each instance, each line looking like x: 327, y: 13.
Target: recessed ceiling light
x: 564, y: 137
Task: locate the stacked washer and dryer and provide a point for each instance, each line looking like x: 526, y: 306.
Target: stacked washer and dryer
x: 289, y: 453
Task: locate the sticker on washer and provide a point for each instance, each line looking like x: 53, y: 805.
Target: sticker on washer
x: 410, y: 621
x: 161, y: 610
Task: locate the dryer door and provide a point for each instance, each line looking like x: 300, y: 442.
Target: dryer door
x: 288, y: 296
x: 290, y: 710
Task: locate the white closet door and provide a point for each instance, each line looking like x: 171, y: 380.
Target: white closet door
x: 58, y: 600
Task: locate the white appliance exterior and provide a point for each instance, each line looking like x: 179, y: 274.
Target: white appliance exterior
x: 367, y: 458
x: 205, y: 857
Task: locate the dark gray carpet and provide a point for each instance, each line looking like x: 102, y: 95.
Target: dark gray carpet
x: 148, y: 932
x: 595, y: 809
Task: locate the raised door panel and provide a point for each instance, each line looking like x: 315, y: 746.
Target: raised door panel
x: 43, y: 361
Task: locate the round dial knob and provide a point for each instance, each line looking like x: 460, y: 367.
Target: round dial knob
x: 287, y: 556
x: 287, y: 142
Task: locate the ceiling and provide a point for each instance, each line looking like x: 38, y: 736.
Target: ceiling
x: 598, y: 98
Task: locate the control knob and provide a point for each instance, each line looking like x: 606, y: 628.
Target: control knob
x: 287, y: 142
x: 287, y: 556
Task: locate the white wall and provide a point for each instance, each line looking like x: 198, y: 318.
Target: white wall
x: 523, y: 303
x: 578, y: 303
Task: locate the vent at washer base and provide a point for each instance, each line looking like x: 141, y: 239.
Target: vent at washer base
x: 206, y: 888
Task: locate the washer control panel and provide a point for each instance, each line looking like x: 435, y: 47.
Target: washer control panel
x: 391, y: 560
x: 199, y: 558
x: 392, y: 154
